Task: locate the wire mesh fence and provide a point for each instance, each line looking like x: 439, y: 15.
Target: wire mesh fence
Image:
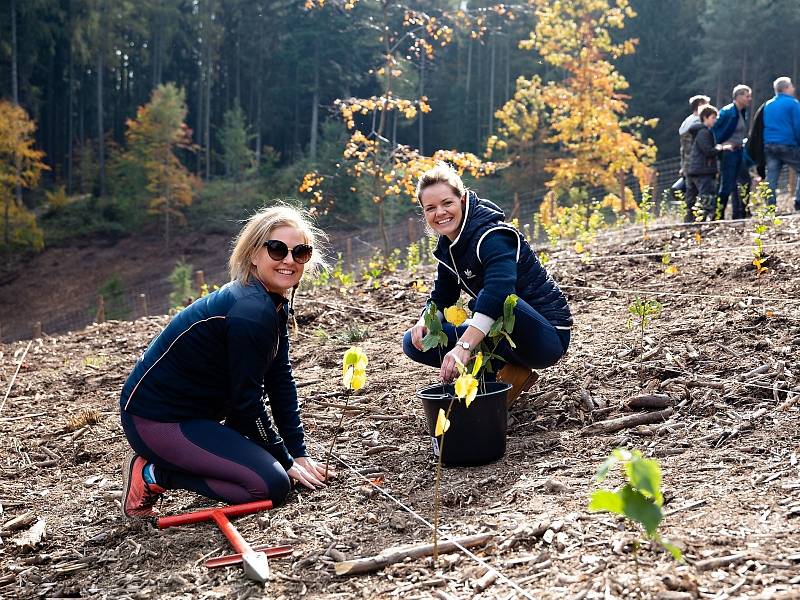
x: 353, y: 249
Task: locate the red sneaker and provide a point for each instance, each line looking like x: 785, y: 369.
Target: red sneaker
x: 138, y: 496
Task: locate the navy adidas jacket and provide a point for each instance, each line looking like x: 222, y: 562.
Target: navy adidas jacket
x: 489, y: 260
x: 224, y: 357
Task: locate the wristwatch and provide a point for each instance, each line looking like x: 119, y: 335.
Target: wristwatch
x: 464, y: 345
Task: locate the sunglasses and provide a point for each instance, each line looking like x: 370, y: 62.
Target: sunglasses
x: 278, y: 250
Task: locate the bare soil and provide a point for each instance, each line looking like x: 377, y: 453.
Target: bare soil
x: 729, y: 451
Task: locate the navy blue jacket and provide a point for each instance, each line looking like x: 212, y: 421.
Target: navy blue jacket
x: 726, y: 122
x: 782, y: 120
x: 226, y: 356
x: 490, y: 260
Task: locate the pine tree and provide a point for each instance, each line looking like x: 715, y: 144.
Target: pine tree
x: 235, y: 138
x: 153, y: 136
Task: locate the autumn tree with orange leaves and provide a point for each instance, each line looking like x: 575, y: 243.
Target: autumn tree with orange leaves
x: 153, y: 136
x: 583, y: 115
x: 389, y: 170
x: 20, y: 167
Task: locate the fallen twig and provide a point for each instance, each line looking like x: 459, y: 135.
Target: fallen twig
x: 649, y: 401
x: 397, y: 554
x: 14, y: 378
x: 720, y: 561
x: 618, y: 424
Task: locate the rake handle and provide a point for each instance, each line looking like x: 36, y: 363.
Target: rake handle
x: 208, y: 514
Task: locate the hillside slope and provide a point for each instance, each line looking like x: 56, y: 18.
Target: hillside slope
x: 729, y: 451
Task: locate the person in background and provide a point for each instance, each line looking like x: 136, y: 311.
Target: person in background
x: 196, y: 407
x: 488, y: 259
x: 731, y: 130
x: 687, y: 140
x: 782, y: 136
x: 702, y: 167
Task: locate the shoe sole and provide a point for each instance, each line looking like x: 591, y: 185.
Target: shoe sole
x: 127, y: 471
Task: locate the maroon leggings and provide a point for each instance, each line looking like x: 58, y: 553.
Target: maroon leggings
x: 207, y: 457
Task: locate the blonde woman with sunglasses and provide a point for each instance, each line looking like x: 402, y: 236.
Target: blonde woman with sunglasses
x: 211, y: 406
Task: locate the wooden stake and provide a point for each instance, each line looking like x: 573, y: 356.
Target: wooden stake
x: 37, y: 330
x: 349, y: 252
x: 143, y: 304
x: 412, y: 230
x: 515, y: 211
x: 100, y: 317
x: 199, y: 280
x: 394, y: 555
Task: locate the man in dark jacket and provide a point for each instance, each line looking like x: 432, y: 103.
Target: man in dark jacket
x: 702, y: 168
x: 731, y: 129
x: 782, y: 135
x: 686, y: 137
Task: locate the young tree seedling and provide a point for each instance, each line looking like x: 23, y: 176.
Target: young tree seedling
x: 639, y: 500
x: 644, y: 311
x: 467, y: 383
x: 354, y: 377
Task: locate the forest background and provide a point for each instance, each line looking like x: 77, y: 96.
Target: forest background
x: 253, y: 84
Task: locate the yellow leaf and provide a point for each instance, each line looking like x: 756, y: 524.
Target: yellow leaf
x: 697, y: 237
x: 579, y: 249
x: 466, y: 388
x: 455, y: 315
x: 671, y: 270
x: 442, y: 423
x: 359, y: 379
x: 478, y: 363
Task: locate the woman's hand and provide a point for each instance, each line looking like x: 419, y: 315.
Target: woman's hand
x: 449, y: 369
x: 308, y: 472
x: 418, y: 332
x: 301, y: 475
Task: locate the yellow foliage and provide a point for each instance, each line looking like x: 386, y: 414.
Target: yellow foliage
x: 20, y: 165
x: 455, y: 315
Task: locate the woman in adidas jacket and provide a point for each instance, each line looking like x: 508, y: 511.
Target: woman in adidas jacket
x: 488, y: 259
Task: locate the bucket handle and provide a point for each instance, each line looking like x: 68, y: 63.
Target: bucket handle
x: 433, y: 396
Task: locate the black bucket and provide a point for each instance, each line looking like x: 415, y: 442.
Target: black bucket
x: 477, y: 435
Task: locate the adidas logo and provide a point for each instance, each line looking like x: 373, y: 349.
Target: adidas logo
x: 469, y: 274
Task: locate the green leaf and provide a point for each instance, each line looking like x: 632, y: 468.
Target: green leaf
x: 606, y: 500
x: 496, y: 327
x: 443, y: 341
x: 431, y: 341
x: 673, y: 549
x: 605, y: 467
x: 645, y: 475
x: 510, y: 341
x: 508, y: 311
x: 638, y: 508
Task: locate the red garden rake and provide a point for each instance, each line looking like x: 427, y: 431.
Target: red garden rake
x: 253, y: 559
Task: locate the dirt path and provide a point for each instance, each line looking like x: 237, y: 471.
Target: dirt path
x: 729, y: 452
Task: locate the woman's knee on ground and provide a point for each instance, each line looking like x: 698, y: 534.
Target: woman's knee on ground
x: 268, y: 482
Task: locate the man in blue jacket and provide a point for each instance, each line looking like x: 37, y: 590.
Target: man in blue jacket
x: 782, y: 135
x: 731, y: 130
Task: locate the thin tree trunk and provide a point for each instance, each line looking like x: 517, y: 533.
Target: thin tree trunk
x: 508, y: 69
x: 422, y: 93
x: 296, y: 125
x: 312, y: 144
x: 207, y: 112
x: 101, y: 150
x: 199, y: 122
x: 491, y: 84
x: 478, y: 86
x: 238, y: 98
x: 15, y: 98
x: 14, y: 80
x: 70, y: 117
x: 469, y: 75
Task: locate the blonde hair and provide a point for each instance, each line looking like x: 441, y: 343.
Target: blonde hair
x: 440, y: 173
x: 260, y: 226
